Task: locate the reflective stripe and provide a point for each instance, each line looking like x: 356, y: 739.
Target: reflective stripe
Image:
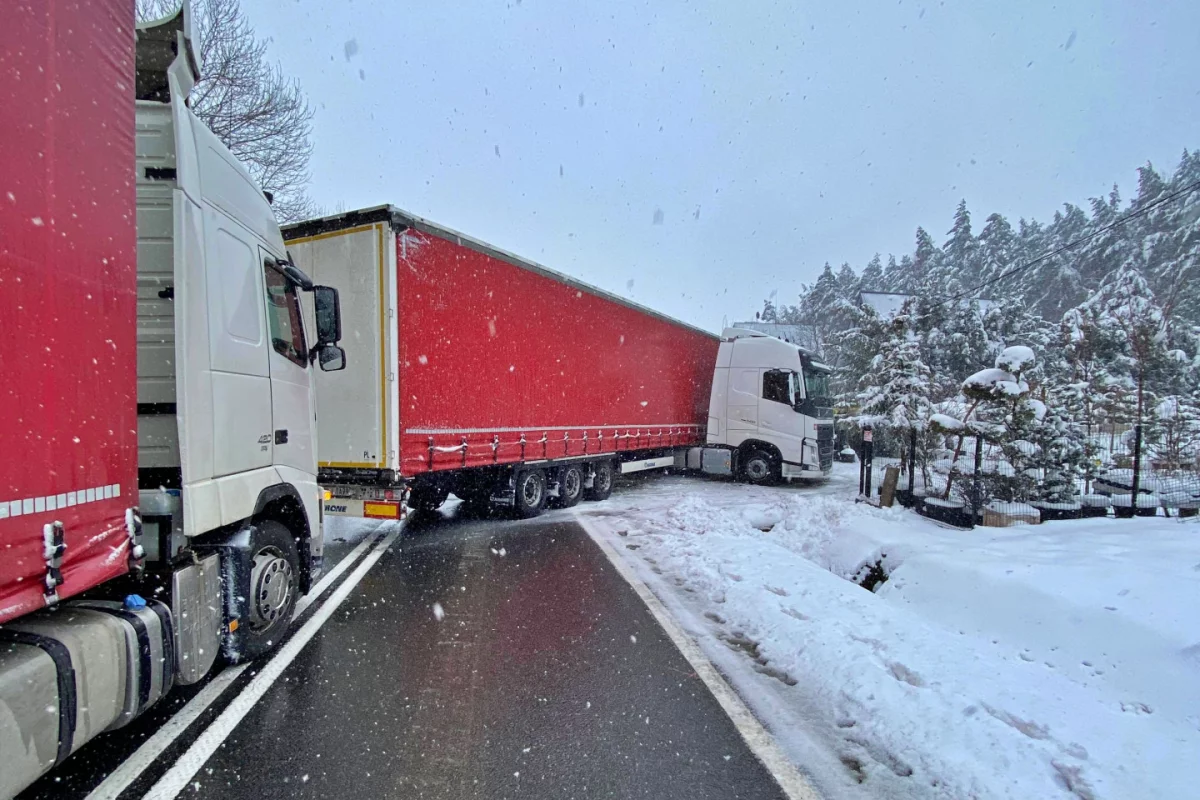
x: 54, y: 502
x: 541, y: 428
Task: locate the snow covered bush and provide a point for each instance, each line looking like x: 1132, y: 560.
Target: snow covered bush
x: 1175, y: 433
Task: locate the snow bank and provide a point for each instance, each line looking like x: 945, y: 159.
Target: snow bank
x: 1004, y: 663
x: 1012, y: 509
x: 1145, y: 500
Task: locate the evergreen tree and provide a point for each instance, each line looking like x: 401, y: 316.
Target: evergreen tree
x: 997, y: 253
x: 1087, y: 347
x: 1175, y: 434
x: 1125, y: 305
x: 847, y: 281
x: 960, y: 261
x: 1060, y: 451
x: 858, y: 346
x: 1174, y: 259
x: 925, y: 265
x: 872, y: 276
x: 826, y: 310
x: 894, y: 391
x: 895, y: 276
x: 1055, y: 282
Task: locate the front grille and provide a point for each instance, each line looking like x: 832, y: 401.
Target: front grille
x: 825, y: 446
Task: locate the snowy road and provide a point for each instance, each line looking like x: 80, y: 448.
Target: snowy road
x: 482, y: 658
x: 1059, y: 660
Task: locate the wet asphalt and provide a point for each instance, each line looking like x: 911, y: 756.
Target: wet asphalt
x: 546, y: 676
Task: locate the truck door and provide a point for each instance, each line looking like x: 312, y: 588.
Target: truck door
x: 291, y: 398
x: 743, y: 401
x: 777, y: 415
x: 241, y: 406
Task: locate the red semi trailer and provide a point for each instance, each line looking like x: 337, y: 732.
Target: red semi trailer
x: 146, y: 305
x: 477, y: 372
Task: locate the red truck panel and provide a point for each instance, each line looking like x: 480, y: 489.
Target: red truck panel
x: 491, y: 352
x: 68, y: 414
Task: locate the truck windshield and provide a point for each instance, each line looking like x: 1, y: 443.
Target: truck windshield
x: 816, y: 384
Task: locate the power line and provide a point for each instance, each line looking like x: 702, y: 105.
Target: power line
x: 1167, y: 198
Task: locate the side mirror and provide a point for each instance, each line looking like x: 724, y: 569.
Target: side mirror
x: 331, y: 358
x: 328, y: 312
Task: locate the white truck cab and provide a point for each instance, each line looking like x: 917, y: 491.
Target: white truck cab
x: 769, y: 411
x: 226, y: 411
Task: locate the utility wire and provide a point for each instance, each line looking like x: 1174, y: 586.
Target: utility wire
x: 1167, y: 198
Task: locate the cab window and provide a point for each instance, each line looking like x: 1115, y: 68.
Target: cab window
x: 283, y: 318
x: 776, y: 386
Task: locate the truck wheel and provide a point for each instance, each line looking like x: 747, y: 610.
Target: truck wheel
x: 274, y: 567
x: 602, y: 481
x: 570, y: 486
x: 427, y: 498
x: 530, y: 499
x: 759, y: 468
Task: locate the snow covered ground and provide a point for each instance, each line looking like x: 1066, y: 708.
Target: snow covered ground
x: 1044, y: 661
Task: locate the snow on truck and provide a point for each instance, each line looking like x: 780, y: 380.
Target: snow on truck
x: 158, y: 496
x: 475, y: 372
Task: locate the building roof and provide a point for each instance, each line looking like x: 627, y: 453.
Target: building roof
x: 804, y: 336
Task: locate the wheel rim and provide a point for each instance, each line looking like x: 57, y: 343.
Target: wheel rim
x: 603, y: 478
x: 271, y: 587
x: 531, y: 490
x: 572, y: 483
x: 757, y: 468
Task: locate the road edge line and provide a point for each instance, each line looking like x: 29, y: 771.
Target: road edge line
x: 760, y: 741
x: 332, y: 575
x: 207, y: 743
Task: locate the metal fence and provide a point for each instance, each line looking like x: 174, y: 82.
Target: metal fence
x: 1114, y: 469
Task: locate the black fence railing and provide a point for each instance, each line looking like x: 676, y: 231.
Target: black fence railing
x: 1116, y: 469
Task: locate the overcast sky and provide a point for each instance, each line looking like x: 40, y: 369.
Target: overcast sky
x: 697, y: 156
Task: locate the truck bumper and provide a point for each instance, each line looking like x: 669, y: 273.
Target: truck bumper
x: 803, y: 472
x: 370, y: 502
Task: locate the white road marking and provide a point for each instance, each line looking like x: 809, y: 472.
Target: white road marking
x: 141, y: 759
x: 132, y: 768
x: 331, y: 576
x: 757, y: 738
x: 178, y: 777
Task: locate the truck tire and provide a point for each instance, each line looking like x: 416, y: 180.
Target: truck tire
x: 274, y: 569
x: 759, y: 468
x: 424, y: 497
x: 570, y: 486
x: 602, y: 481
x: 529, y: 493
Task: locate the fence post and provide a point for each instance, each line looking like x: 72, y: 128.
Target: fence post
x: 975, y: 489
x: 867, y: 459
x: 1137, y: 464
x: 912, y: 459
